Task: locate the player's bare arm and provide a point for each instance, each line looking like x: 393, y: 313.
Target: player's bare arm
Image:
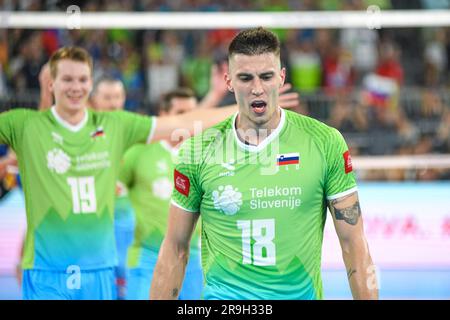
x: 45, y: 96
x: 189, y: 123
x: 346, y: 213
x: 173, y: 255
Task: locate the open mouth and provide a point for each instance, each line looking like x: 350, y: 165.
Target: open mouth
x: 258, y: 107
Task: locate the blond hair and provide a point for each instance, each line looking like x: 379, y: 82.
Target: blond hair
x: 70, y: 53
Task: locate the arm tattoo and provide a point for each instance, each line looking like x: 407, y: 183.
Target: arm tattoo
x: 175, y: 292
x: 349, y: 215
x: 350, y: 272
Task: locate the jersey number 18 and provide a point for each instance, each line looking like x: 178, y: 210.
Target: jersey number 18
x: 262, y: 232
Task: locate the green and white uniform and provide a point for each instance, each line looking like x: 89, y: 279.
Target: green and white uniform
x: 148, y: 174
x: 69, y: 177
x: 263, y: 208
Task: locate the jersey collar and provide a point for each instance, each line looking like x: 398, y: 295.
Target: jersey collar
x: 266, y: 141
x: 67, y: 125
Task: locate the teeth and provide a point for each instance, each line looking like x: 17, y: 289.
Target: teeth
x: 258, y: 104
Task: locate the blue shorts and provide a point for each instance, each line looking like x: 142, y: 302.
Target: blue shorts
x: 124, y: 225
x: 73, y: 285
x: 139, y: 279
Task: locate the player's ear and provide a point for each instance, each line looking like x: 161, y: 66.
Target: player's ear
x: 283, y: 76
x: 51, y: 85
x: 228, y: 82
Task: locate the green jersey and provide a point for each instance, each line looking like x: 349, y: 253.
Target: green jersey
x: 148, y: 173
x: 263, y: 208
x: 69, y: 177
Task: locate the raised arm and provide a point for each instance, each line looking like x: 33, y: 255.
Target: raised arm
x: 361, y: 273
x: 217, y: 87
x: 173, y: 255
x: 193, y: 122
x: 46, y: 96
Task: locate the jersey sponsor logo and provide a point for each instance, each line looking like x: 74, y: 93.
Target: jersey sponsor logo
x: 348, y: 162
x: 275, y: 197
x: 58, y: 161
x: 227, y: 200
x: 182, y: 183
x: 98, y: 133
x: 162, y: 188
x: 288, y: 158
x: 92, y: 161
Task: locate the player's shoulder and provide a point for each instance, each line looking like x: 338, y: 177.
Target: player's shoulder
x: 23, y: 117
x: 116, y: 115
x: 23, y: 112
x: 316, y: 129
x: 198, y: 146
x: 213, y: 134
x: 105, y: 115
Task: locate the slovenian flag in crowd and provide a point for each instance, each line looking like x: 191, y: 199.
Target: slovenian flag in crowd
x: 379, y: 89
x: 288, y: 158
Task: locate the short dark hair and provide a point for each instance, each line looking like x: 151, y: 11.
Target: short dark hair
x: 70, y: 53
x: 254, y: 42
x: 165, y: 102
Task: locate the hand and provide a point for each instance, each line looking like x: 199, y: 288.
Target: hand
x: 288, y: 100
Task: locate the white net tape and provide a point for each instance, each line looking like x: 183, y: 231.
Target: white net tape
x: 441, y: 161
x: 372, y: 18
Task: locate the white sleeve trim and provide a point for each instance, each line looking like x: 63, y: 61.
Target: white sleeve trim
x: 152, y: 130
x: 178, y: 206
x: 342, y: 194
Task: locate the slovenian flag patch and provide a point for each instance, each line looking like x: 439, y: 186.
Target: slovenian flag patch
x: 98, y: 133
x: 288, y: 158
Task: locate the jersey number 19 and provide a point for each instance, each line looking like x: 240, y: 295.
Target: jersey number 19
x: 83, y: 194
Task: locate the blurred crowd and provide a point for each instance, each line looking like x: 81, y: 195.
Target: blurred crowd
x: 386, y: 90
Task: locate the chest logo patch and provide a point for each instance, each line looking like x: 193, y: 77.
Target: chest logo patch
x: 162, y: 188
x: 227, y: 200
x: 58, y: 161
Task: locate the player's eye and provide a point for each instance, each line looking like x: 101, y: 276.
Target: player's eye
x: 245, y: 78
x: 266, y: 77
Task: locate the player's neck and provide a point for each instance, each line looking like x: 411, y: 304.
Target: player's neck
x: 252, y: 133
x: 73, y: 117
